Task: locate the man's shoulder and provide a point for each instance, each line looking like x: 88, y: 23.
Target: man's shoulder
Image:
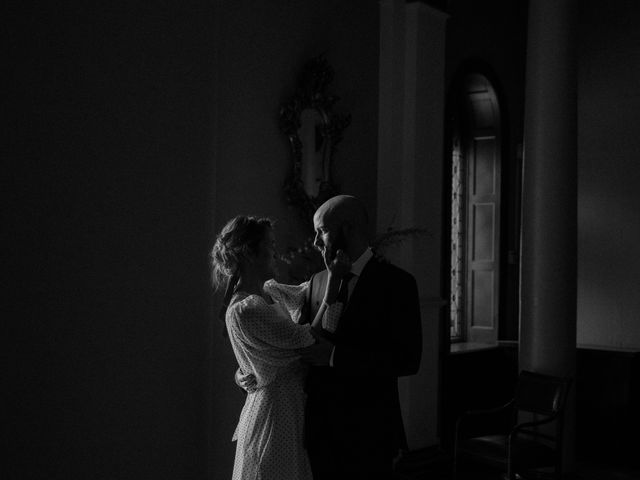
x: 385, y: 267
x: 376, y: 265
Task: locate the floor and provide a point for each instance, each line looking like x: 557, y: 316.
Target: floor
x: 430, y: 465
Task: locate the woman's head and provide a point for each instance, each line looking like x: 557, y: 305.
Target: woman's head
x: 245, y: 242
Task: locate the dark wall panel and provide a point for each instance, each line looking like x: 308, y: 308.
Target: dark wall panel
x: 107, y: 211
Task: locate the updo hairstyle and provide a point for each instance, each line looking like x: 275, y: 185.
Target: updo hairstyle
x: 239, y: 238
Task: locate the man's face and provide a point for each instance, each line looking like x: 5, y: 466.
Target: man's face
x: 328, y: 237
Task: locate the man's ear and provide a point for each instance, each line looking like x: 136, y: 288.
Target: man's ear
x: 347, y: 230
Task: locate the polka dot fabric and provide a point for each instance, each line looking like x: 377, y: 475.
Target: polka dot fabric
x: 264, y: 338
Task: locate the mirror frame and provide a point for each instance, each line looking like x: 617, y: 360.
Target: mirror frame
x: 310, y: 93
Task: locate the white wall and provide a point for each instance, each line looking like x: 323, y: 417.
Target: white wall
x: 106, y: 209
x: 410, y: 183
x: 609, y: 176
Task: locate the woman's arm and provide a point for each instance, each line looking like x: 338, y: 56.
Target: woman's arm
x: 330, y: 296
x: 338, y: 268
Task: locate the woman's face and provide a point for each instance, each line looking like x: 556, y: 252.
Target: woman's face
x: 265, y: 260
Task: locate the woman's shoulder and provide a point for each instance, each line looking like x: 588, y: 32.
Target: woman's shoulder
x: 272, y: 286
x: 243, y: 304
x: 273, y: 283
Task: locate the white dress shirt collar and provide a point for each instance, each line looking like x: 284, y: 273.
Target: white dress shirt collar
x: 358, y: 265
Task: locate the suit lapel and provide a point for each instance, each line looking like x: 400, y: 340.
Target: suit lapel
x: 358, y: 296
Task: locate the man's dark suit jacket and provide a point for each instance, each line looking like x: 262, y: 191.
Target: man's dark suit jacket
x: 353, y: 419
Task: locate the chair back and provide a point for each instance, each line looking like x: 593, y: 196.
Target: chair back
x: 543, y: 394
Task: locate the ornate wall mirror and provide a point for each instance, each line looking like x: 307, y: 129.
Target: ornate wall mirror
x: 314, y: 131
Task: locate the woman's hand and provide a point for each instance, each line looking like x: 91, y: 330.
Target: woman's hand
x: 340, y: 265
x: 247, y: 381
x: 338, y: 268
x: 319, y: 353
x: 316, y: 333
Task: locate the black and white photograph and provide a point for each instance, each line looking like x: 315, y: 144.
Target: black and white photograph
x: 321, y: 240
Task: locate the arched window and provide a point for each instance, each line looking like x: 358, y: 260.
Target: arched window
x: 475, y: 150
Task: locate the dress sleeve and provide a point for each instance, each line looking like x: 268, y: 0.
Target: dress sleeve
x: 332, y: 316
x: 266, y: 333
x: 291, y: 297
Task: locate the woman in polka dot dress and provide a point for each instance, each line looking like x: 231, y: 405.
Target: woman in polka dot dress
x: 262, y: 323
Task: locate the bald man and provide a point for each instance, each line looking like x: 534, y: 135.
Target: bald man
x: 353, y: 423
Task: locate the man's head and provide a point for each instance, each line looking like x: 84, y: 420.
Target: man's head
x: 342, y: 223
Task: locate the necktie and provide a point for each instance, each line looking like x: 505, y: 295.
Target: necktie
x: 343, y: 293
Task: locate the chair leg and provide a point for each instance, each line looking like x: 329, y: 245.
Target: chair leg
x: 458, y: 473
x: 557, y: 471
x: 454, y: 467
x: 511, y: 474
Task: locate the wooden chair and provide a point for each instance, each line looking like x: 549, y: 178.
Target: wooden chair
x: 526, y: 446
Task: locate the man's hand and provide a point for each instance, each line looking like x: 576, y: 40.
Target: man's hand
x: 317, y: 354
x: 247, y: 381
